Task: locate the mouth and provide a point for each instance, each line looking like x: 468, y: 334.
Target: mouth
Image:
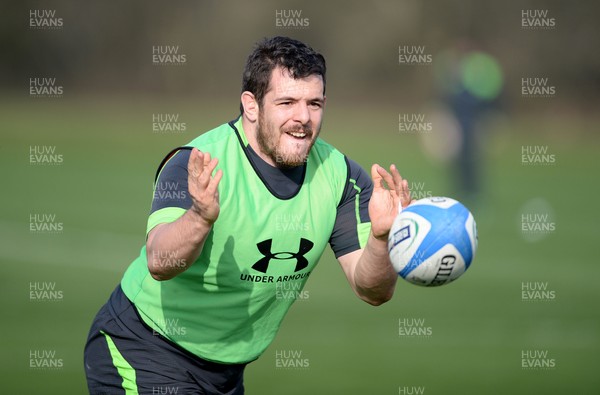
x: 297, y: 134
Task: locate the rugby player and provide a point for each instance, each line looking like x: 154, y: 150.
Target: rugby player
x: 240, y: 213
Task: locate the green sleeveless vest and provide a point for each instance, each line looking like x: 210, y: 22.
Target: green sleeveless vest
x: 228, y: 306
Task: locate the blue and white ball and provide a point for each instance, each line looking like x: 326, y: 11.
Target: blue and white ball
x: 433, y: 241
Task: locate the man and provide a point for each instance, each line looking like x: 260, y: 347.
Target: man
x: 253, y: 204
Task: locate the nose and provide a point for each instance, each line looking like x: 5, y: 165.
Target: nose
x: 302, y: 113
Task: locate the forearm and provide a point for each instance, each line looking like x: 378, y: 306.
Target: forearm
x: 374, y: 276
x: 175, y: 246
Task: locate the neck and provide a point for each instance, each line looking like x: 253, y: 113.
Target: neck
x: 250, y: 133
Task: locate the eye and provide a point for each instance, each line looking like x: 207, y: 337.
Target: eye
x: 316, y: 105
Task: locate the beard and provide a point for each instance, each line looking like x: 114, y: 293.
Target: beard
x: 285, y: 157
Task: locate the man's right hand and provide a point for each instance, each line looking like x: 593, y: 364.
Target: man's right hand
x: 202, y: 185
x: 182, y: 241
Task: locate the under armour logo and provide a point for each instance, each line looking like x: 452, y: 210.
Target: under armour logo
x: 265, y: 248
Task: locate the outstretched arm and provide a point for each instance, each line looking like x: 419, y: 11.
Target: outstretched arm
x: 369, y: 270
x: 172, y: 247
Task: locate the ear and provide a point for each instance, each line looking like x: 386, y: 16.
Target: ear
x: 250, y: 106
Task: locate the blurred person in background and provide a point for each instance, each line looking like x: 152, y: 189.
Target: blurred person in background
x: 470, y: 83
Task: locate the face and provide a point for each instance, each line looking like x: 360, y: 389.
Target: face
x: 289, y: 120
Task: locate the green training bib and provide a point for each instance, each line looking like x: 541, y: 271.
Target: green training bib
x: 228, y: 306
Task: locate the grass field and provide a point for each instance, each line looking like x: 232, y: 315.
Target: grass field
x: 479, y: 326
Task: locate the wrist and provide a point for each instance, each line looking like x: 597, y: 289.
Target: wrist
x: 378, y: 244
x: 383, y: 238
x: 198, y: 220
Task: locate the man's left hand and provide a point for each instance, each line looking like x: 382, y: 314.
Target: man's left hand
x: 384, y: 203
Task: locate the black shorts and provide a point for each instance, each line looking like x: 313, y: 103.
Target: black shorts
x: 125, y: 356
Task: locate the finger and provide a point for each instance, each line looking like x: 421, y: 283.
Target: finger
x: 398, y: 184
x: 211, y: 189
x: 406, y: 200
x: 401, y: 186
x: 204, y: 178
x: 212, y: 165
x: 206, y: 160
x: 375, y: 176
x: 387, y: 177
x: 195, y: 163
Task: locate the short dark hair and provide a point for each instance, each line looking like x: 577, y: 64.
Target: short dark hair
x: 292, y: 55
